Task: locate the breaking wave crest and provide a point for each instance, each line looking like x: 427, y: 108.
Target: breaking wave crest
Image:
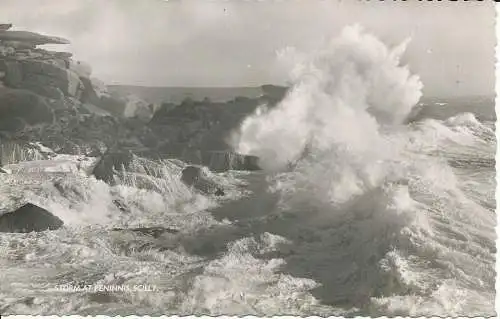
x: 383, y: 197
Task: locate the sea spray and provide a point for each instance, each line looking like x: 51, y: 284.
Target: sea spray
x: 344, y: 100
x: 339, y: 98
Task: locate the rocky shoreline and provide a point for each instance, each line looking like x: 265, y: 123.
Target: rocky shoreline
x: 48, y: 97
x: 57, y: 119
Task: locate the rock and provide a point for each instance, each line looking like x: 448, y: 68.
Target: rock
x: 274, y: 92
x: 226, y: 160
x: 49, y: 74
x: 29, y: 218
x: 109, y: 163
x: 192, y: 156
x: 219, y: 192
x: 47, y: 54
x: 30, y: 37
x: 61, y: 63
x: 67, y: 165
x: 13, y: 73
x: 19, y: 44
x: 82, y: 69
x: 193, y: 176
x: 154, y: 232
x: 43, y: 85
x: 88, y: 94
x: 5, y: 26
x: 6, y: 51
x: 60, y: 55
x: 112, y: 105
x: 137, y: 108
x: 23, y: 105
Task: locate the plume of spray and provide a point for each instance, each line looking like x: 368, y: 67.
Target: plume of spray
x: 342, y: 98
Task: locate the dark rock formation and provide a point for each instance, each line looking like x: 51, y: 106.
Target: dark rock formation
x: 38, y: 74
x: 24, y: 107
x: 45, y: 96
x: 5, y: 26
x: 193, y: 176
x: 221, y: 161
x: 29, y: 218
x: 110, y: 163
x: 88, y: 94
x: 13, y: 73
x: 274, y: 92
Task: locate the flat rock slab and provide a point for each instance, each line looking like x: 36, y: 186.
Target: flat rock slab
x: 29, y: 218
x: 30, y: 37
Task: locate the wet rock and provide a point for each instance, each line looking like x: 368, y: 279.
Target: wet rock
x: 219, y: 192
x: 154, y: 232
x: 110, y: 163
x: 221, y: 161
x: 193, y: 176
x: 29, y: 218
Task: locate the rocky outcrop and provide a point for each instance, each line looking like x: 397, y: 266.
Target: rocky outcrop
x: 19, y: 108
x: 274, y: 92
x: 5, y: 26
x: 30, y: 37
x: 49, y: 73
x: 110, y: 163
x: 29, y: 218
x: 46, y: 96
x: 193, y: 176
x: 40, y: 75
x: 221, y: 161
x: 44, y: 72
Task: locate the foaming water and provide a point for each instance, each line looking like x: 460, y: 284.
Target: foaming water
x: 405, y: 237
x: 354, y: 214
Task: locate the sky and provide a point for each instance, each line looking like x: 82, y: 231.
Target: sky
x: 235, y: 43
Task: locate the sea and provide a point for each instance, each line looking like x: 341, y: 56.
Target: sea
x: 371, y: 202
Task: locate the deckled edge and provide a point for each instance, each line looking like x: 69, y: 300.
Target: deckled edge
x: 497, y: 156
x: 497, y: 227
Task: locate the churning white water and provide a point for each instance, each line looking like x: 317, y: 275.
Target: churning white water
x: 354, y: 214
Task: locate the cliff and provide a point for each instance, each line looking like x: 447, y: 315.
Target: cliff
x: 47, y: 96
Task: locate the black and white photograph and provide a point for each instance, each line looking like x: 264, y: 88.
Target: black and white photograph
x: 247, y: 158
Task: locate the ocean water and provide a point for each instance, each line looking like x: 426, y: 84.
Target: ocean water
x: 355, y: 212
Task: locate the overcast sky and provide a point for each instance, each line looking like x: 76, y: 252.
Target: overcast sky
x: 234, y: 43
